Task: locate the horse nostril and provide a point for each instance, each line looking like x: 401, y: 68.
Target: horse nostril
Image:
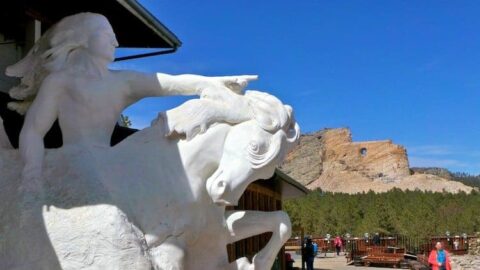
x: 221, y: 184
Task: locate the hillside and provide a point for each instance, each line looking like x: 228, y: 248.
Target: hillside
x: 330, y: 160
x: 465, y: 178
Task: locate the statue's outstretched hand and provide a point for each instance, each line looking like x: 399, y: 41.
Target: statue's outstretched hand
x: 235, y: 83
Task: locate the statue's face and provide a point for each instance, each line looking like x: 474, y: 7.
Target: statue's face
x: 102, y: 42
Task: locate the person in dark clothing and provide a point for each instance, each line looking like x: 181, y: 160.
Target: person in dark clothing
x: 376, y: 239
x: 309, y: 254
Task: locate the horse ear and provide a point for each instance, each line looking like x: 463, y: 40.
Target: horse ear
x: 293, y: 129
x: 293, y: 134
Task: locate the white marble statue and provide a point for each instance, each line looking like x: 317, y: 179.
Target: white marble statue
x: 157, y: 199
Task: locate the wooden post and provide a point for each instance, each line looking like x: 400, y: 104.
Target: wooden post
x: 33, y: 32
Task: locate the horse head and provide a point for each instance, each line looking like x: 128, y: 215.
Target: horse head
x: 252, y: 149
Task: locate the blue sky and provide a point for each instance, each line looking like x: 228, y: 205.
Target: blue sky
x: 403, y: 70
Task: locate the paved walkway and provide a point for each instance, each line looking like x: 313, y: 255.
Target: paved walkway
x: 332, y: 262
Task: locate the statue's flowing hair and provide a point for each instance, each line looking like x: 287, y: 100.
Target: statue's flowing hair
x: 51, y: 53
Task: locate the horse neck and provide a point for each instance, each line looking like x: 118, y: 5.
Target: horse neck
x: 202, y: 154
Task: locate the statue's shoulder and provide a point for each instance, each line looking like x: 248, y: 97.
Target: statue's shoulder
x: 134, y: 79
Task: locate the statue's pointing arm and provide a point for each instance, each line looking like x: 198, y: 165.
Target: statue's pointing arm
x: 159, y: 84
x: 39, y: 119
x: 221, y: 99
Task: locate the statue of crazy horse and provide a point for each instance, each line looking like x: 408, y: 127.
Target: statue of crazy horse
x: 157, y: 199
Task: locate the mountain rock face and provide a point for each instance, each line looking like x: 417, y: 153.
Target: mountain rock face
x: 330, y: 160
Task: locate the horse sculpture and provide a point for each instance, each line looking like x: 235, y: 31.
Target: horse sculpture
x: 152, y: 201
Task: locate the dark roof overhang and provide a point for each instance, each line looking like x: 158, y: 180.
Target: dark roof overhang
x: 290, y: 188
x: 134, y: 26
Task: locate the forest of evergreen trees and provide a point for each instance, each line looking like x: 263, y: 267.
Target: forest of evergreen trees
x: 410, y: 213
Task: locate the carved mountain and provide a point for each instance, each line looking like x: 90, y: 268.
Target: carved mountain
x: 330, y: 160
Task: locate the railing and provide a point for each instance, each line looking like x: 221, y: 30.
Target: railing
x: 455, y: 244
x: 293, y: 242
x: 358, y: 247
x: 414, y: 247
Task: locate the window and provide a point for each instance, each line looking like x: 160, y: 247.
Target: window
x: 363, y: 152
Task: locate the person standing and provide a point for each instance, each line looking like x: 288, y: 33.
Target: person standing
x: 456, y: 244
x: 338, y: 244
x: 309, y: 254
x: 289, y: 261
x: 376, y: 239
x: 439, y: 258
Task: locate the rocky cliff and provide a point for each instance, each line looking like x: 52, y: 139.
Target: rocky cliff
x: 330, y: 160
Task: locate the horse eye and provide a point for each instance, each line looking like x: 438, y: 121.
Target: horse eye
x: 256, y: 147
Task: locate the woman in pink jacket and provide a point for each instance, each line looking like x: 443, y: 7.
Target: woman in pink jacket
x: 338, y: 244
x: 439, y: 258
